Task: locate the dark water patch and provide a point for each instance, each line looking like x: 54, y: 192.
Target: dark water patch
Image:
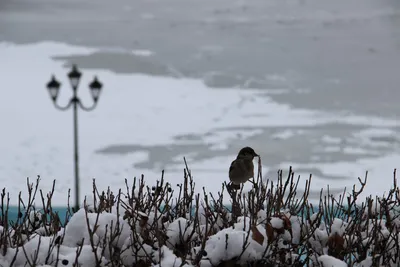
x: 121, y: 63
x: 159, y: 156
x: 303, y: 145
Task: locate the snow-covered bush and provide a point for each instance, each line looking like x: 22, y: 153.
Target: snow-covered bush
x: 154, y: 225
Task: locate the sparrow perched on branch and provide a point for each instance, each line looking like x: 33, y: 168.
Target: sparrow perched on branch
x: 242, y: 168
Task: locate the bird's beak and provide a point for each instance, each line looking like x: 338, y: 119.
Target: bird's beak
x: 256, y: 155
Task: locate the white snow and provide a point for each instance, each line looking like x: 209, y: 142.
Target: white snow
x: 277, y: 223
x: 228, y: 243
x: 179, y: 231
x: 338, y: 227
x: 74, y: 232
x: 329, y: 261
x: 169, y: 259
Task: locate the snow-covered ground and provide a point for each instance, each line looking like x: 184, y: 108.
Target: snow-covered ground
x: 36, y: 139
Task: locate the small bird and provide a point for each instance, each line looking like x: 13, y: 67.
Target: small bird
x: 242, y: 168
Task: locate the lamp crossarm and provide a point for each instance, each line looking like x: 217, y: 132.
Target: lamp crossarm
x: 82, y: 106
x: 65, y: 107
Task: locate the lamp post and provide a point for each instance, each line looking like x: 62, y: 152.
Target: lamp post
x: 53, y: 87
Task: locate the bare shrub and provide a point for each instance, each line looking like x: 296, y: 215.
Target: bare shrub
x: 145, y: 225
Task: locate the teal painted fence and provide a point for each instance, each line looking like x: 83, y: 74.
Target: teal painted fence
x: 62, y: 213
x: 13, y: 213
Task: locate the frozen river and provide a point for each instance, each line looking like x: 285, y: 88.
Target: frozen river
x: 308, y: 83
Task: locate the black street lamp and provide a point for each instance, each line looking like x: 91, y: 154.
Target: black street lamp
x: 95, y: 88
